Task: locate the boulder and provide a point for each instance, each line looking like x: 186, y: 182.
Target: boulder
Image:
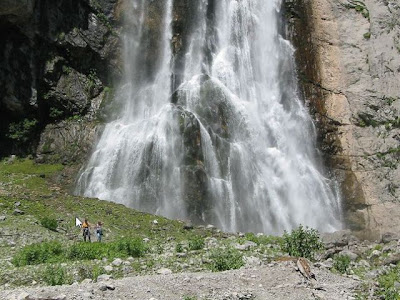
x: 389, y: 236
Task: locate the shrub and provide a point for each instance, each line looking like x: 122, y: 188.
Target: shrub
x: 196, y: 243
x: 131, y: 247
x: 226, y: 259
x: 91, y: 272
x: 302, y: 242
x: 55, y: 275
x: 49, y: 223
x: 341, y: 263
x: 38, y: 253
x: 86, y: 251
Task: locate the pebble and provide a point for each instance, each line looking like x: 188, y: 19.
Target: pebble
x: 117, y: 262
x: 164, y: 271
x: 104, y: 277
x: 3, y: 218
x: 18, y: 212
x: 108, y: 268
x: 376, y: 253
x: 24, y: 296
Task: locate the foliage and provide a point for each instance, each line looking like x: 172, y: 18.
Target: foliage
x: 225, y: 259
x: 55, y: 275
x: 302, y: 242
x: 179, y: 248
x: 38, y: 253
x: 341, y: 263
x: 91, y: 272
x: 55, y: 113
x: 131, y: 247
x: 22, y: 131
x: 54, y: 252
x: 86, y: 251
x: 387, y: 289
x: 196, y: 243
x: 49, y: 223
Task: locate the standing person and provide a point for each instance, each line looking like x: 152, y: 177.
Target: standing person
x: 86, y: 230
x: 99, y: 231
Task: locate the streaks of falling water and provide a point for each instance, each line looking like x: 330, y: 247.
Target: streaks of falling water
x: 231, y: 144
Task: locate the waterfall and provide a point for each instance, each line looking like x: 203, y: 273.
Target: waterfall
x: 211, y: 127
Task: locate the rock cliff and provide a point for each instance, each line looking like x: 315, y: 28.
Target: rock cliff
x: 349, y: 65
x: 58, y: 60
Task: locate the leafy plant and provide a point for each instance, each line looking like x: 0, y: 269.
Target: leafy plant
x: 132, y: 247
x: 49, y: 223
x: 38, y: 253
x: 55, y: 275
x: 196, y: 243
x: 225, y: 259
x: 22, y: 131
x: 86, y: 251
x: 341, y: 263
x: 302, y: 242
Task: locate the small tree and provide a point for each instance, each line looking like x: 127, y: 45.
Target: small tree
x: 302, y: 242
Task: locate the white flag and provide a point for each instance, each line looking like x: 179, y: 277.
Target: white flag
x: 78, y: 222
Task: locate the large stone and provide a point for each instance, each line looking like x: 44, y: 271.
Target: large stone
x: 390, y: 236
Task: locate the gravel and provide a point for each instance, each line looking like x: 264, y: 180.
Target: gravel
x: 278, y: 280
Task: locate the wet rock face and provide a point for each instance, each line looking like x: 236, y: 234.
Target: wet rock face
x: 56, y: 57
x: 348, y: 62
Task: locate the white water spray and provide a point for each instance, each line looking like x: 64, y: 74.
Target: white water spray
x: 231, y: 144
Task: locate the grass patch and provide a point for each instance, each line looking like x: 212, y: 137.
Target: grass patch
x: 28, y: 166
x: 51, y: 252
x: 387, y: 290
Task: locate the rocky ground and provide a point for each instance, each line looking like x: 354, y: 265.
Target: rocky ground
x: 278, y: 280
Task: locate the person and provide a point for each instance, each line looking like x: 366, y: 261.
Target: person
x: 86, y: 230
x: 99, y: 231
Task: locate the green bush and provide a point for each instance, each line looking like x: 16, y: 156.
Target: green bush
x: 225, y: 259
x: 341, y: 263
x: 131, y: 247
x: 87, y: 251
x: 302, y: 242
x: 49, y: 223
x: 196, y: 243
x: 55, y: 275
x: 38, y: 253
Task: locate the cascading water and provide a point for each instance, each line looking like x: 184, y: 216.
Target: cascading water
x: 211, y: 127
